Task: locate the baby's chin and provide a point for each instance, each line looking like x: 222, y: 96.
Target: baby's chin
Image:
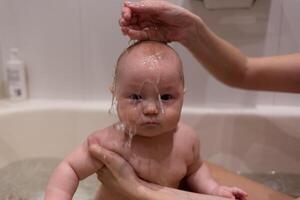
x: 146, y: 135
x: 151, y: 131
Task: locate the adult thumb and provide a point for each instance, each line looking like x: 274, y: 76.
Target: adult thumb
x: 117, y: 165
x: 141, y: 6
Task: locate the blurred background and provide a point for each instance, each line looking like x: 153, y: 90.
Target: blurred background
x: 70, y: 47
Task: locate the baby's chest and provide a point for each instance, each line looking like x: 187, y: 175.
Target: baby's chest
x: 161, y: 162
x: 167, y: 171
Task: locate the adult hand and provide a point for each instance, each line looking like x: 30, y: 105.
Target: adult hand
x: 156, y: 20
x: 117, y: 174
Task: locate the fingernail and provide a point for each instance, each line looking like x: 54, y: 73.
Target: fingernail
x: 96, y: 147
x: 129, y: 3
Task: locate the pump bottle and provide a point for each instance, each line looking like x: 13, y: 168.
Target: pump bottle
x: 16, y: 77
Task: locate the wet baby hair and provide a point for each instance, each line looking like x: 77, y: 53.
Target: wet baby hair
x: 153, y: 48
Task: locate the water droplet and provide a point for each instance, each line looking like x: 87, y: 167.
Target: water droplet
x: 113, y: 107
x: 120, y: 127
x: 162, y: 110
x: 132, y: 42
x: 131, y: 133
x: 273, y: 172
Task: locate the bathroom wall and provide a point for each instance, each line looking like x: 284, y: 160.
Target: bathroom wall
x: 70, y: 47
x: 1, y: 76
x: 268, y: 28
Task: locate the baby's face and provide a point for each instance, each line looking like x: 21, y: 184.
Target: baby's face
x: 149, y: 91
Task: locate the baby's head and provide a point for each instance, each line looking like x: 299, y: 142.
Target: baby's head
x: 149, y: 88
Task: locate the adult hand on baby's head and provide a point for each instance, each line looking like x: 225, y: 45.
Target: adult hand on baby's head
x: 117, y: 174
x: 230, y: 192
x: 155, y: 20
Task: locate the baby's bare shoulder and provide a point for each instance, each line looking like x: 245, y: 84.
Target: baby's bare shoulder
x: 187, y: 131
x: 100, y: 136
x: 186, y: 136
x: 188, y: 143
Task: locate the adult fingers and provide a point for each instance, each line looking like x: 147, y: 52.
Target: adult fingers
x: 136, y: 34
x: 124, y: 30
x: 110, y: 159
x: 104, y: 175
x: 126, y: 13
x: 115, y: 163
x: 124, y: 22
x: 144, y: 6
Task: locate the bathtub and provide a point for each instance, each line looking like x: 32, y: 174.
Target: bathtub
x: 36, y: 135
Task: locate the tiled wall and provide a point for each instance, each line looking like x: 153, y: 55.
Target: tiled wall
x: 70, y: 47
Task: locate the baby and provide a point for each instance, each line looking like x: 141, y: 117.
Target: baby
x: 148, y: 90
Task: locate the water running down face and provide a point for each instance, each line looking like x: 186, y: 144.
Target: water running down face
x: 149, y: 89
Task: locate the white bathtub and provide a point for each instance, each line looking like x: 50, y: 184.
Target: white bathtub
x: 251, y: 140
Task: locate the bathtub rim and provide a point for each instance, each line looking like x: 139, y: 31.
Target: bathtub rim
x: 10, y: 107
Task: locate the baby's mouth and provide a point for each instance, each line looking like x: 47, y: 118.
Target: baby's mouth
x: 150, y: 123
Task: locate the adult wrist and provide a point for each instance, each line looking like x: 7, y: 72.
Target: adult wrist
x: 194, y: 32
x: 142, y: 192
x: 149, y: 191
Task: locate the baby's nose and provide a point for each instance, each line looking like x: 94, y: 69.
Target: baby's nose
x: 151, y: 108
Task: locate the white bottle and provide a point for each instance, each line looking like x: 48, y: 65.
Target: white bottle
x: 16, y: 77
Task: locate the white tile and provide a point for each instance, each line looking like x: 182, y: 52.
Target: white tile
x: 49, y: 42
x: 285, y: 99
x: 229, y: 4
x: 291, y: 13
x: 102, y: 44
x: 289, y: 43
x: 196, y: 78
x: 270, y: 44
x: 273, y: 28
x: 265, y: 98
x: 1, y: 65
x: 219, y: 95
x: 288, y: 35
x: 8, y: 30
x: 248, y: 30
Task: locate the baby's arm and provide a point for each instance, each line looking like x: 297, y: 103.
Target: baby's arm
x: 77, y: 166
x: 200, y: 180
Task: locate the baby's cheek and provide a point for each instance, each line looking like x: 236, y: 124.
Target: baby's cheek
x: 172, y: 117
x: 135, y: 117
x: 129, y: 115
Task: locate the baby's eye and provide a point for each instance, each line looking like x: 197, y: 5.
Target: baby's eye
x: 166, y: 97
x: 135, y: 97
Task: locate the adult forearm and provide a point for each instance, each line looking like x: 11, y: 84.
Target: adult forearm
x: 227, y: 63
x: 276, y: 73
x: 156, y: 192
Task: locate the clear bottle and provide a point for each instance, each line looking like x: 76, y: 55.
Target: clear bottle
x: 16, y: 77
